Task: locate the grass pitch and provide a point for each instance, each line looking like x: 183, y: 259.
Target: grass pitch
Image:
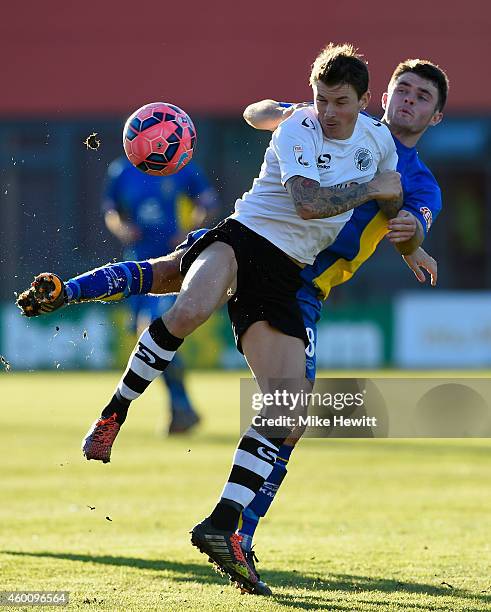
x: 362, y: 525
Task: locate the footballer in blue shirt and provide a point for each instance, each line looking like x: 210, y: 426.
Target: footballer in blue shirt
x: 148, y: 214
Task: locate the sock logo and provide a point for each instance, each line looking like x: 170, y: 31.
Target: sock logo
x: 270, y: 487
x: 145, y: 355
x: 266, y: 453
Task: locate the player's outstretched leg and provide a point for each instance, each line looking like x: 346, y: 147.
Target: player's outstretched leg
x: 203, y: 290
x: 46, y: 294
x: 112, y: 282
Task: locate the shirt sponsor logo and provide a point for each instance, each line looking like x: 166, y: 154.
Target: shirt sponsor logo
x: 324, y: 160
x: 363, y: 159
x: 298, y: 152
x: 427, y: 216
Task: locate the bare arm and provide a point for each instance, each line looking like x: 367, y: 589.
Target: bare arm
x: 268, y: 114
x: 264, y: 115
x: 315, y: 202
x: 405, y: 232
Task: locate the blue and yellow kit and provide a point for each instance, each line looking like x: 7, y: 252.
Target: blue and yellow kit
x: 359, y: 238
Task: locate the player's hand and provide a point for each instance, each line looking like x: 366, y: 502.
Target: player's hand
x: 386, y: 186
x: 402, y: 227
x: 419, y: 261
x: 46, y: 294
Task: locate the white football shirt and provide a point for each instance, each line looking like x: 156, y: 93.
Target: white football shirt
x: 299, y: 147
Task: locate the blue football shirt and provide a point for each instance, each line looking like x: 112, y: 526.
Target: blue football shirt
x: 359, y: 238
x: 154, y: 203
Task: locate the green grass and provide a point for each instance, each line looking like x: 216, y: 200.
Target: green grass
x: 362, y: 525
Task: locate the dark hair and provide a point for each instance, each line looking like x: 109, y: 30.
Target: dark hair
x: 337, y: 64
x: 426, y: 70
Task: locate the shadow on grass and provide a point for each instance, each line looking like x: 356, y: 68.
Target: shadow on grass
x: 359, y: 585
x: 347, y: 583
x: 185, y: 572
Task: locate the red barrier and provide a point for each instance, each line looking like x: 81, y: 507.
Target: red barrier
x: 61, y: 58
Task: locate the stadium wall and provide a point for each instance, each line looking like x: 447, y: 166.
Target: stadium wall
x: 64, y: 59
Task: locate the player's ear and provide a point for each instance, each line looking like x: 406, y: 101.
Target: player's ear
x: 385, y: 97
x: 437, y: 117
x: 364, y: 100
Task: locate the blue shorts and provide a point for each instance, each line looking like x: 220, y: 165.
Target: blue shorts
x: 310, y: 307
x: 191, y: 238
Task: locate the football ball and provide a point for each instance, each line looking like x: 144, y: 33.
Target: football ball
x: 159, y: 138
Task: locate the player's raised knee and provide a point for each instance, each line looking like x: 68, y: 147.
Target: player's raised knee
x: 185, y: 316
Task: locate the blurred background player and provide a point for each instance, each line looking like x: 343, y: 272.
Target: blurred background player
x: 150, y: 215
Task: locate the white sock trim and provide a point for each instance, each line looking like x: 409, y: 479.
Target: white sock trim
x: 126, y: 392
x: 238, y: 493
x: 252, y: 463
x: 144, y: 370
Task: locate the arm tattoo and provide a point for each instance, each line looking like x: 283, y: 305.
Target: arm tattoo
x: 315, y: 202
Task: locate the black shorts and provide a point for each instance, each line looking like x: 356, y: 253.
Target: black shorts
x: 267, y: 280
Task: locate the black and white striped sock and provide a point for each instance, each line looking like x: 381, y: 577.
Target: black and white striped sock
x: 154, y: 351
x: 253, y: 463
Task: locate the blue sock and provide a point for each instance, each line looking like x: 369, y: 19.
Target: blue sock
x: 174, y: 379
x: 264, y: 497
x: 111, y: 282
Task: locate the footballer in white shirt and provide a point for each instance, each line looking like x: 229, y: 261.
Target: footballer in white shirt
x: 299, y: 148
